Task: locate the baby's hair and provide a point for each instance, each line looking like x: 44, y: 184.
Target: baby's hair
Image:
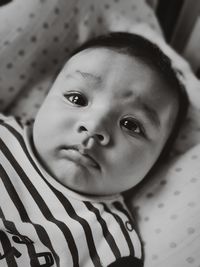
x: 150, y: 54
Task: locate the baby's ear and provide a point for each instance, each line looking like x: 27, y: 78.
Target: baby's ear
x: 4, y: 2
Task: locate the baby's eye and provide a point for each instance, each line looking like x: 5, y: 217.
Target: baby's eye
x: 132, y: 126
x: 77, y: 99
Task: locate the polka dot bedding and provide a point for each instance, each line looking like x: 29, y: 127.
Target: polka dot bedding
x: 36, y: 38
x: 168, y: 213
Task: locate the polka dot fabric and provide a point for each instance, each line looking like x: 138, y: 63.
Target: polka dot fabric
x: 37, y: 36
x: 168, y: 212
x: 168, y: 204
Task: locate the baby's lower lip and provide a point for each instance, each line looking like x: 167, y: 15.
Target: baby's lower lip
x: 77, y: 157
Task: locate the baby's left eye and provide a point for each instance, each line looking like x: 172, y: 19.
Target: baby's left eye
x: 131, y: 126
x: 76, y: 99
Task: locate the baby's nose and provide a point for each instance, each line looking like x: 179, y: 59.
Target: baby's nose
x: 93, y: 133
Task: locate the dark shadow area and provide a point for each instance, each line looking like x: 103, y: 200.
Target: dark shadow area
x: 4, y: 2
x: 167, y: 13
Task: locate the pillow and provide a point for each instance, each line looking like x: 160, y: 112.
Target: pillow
x: 168, y: 204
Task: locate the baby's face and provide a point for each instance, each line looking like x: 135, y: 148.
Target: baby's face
x: 104, y: 122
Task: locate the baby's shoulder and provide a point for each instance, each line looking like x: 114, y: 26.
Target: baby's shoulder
x: 10, y: 121
x: 11, y: 128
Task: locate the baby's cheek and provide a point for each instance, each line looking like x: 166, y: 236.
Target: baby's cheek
x: 141, y: 159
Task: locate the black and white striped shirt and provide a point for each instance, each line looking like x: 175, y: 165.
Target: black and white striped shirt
x: 42, y: 223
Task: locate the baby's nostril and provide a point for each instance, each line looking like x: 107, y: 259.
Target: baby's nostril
x: 100, y: 137
x: 82, y: 129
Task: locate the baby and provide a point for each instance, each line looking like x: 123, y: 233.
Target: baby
x: 110, y: 115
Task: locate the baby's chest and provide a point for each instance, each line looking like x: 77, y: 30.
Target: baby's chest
x: 72, y: 232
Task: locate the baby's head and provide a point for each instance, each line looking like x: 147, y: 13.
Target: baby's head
x: 110, y: 114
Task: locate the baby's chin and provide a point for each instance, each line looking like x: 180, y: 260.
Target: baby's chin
x: 75, y: 177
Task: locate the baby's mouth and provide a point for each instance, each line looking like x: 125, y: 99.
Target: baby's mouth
x: 78, y: 154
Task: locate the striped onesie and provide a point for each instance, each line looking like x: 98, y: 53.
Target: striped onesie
x: 42, y: 223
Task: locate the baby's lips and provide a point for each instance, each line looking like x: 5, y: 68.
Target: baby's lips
x: 80, y: 155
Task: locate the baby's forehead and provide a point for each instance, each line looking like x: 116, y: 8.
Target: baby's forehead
x: 97, y: 55
x: 97, y: 64
x: 94, y: 63
x: 103, y: 58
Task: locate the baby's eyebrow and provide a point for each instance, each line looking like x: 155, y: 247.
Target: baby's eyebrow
x: 89, y: 76
x: 148, y: 111
x: 151, y: 113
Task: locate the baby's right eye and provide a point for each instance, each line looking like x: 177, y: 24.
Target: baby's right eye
x: 77, y: 99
